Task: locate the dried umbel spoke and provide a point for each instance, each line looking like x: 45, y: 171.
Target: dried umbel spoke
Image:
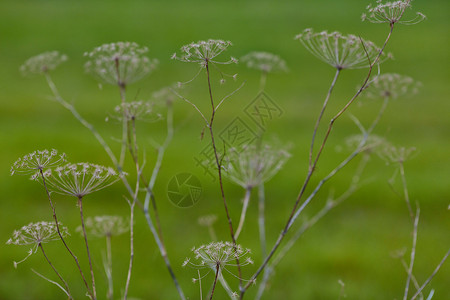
x: 37, y: 161
x: 37, y: 233
x: 42, y: 63
x: 119, y: 63
x: 340, y: 51
x: 392, y: 86
x: 204, y: 52
x: 106, y: 226
x: 80, y: 179
x: 372, y: 144
x: 219, y: 255
x: 265, y: 62
x: 391, y: 12
x: 254, y: 165
x: 137, y: 110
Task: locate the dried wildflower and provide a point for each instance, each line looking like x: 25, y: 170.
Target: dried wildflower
x: 119, y: 63
x: 137, y: 110
x: 204, y: 52
x: 392, y: 86
x: 80, y: 179
x: 166, y: 95
x: 106, y: 226
x: 37, y: 161
x: 254, y: 165
x: 393, y: 154
x: 390, y: 12
x: 264, y: 62
x: 340, y: 51
x: 207, y: 220
x: 219, y: 255
x: 35, y: 234
x: 373, y: 143
x: 42, y: 63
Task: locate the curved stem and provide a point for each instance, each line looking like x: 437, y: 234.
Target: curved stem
x: 215, y: 281
x: 262, y: 219
x: 80, y: 205
x: 110, y: 292
x: 248, y: 192
x: 54, y: 269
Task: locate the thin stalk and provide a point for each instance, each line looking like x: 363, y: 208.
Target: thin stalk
x: 60, y: 235
x: 54, y: 269
x: 80, y: 205
x: 438, y: 267
x: 413, y: 254
x: 123, y: 148
x: 312, y: 168
x: 413, y: 278
x: 110, y: 292
x: 405, y: 190
x: 262, y: 81
x: 219, y: 170
x: 248, y: 192
x: 261, y: 218
x: 215, y: 281
x: 316, y: 127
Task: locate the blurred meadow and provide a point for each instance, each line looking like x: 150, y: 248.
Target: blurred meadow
x: 353, y: 243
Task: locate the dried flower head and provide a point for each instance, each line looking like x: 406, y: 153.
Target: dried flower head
x: 373, y: 143
x: 37, y: 161
x: 392, y: 86
x: 265, y: 62
x: 137, y: 110
x: 120, y: 63
x: 254, y: 165
x: 340, y: 51
x: 42, y: 63
x: 204, y: 52
x: 80, y: 179
x: 393, y: 154
x: 106, y: 226
x: 166, y: 95
x: 219, y: 255
x: 35, y: 234
x: 390, y: 12
x: 207, y: 220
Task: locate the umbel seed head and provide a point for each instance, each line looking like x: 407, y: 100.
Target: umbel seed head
x: 42, y: 63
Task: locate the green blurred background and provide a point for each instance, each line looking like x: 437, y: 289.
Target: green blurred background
x: 353, y: 243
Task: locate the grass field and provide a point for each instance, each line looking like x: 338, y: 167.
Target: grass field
x: 353, y: 243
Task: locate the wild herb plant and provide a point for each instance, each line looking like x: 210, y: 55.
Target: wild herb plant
x: 250, y: 166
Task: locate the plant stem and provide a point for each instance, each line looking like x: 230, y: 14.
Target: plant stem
x: 330, y: 90
x: 219, y: 170
x: 54, y: 269
x: 413, y: 254
x: 80, y: 205
x: 261, y: 218
x: 312, y: 168
x: 110, y: 292
x: 215, y: 281
x: 248, y: 192
x: 60, y: 235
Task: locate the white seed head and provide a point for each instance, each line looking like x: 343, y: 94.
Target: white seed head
x: 392, y: 86
x: 394, y: 154
x: 80, y: 179
x: 42, y: 63
x: 253, y: 165
x: 37, y: 233
x: 120, y: 63
x: 391, y: 13
x: 204, y: 52
x: 137, y: 110
x: 341, y: 51
x: 37, y: 161
x: 207, y: 220
x: 265, y: 62
x: 106, y: 226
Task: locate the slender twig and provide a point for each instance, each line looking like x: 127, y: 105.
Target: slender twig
x: 413, y: 278
x: 229, y: 95
x: 311, y: 169
x: 438, y: 267
x: 80, y: 205
x: 330, y: 90
x: 405, y: 190
x: 108, y: 268
x: 57, y: 273
x: 413, y: 254
x: 215, y: 281
x: 60, y: 235
x: 219, y: 170
x: 262, y: 218
x: 248, y: 192
x: 51, y: 281
x: 262, y: 81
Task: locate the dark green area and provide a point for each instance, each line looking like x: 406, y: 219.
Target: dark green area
x: 353, y: 243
